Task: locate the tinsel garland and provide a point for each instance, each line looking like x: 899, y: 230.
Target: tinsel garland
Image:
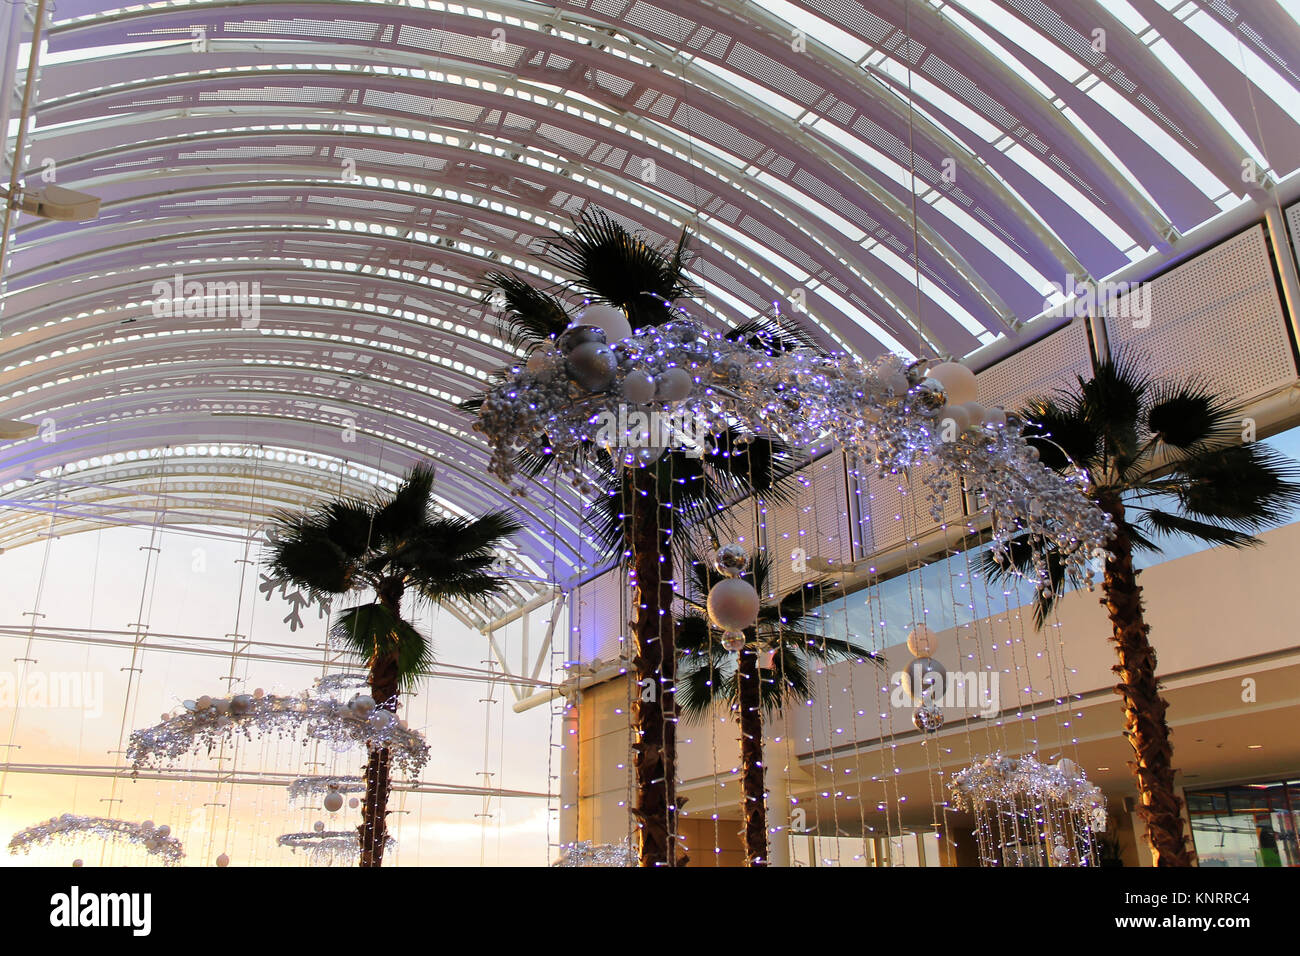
x: 333, y: 844
x: 214, y: 721
x: 156, y: 840
x: 331, y: 683
x: 886, y: 413
x: 586, y: 853
x: 307, y: 786
x: 997, y: 778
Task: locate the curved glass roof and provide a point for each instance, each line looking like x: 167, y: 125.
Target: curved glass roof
x: 365, y: 162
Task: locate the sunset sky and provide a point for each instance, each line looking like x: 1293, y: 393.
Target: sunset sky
x: 97, y: 580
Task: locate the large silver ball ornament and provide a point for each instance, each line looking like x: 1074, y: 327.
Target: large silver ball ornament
x: 576, y: 335
x: 958, y: 381
x: 733, y: 604
x: 334, y: 801
x: 673, y: 385
x: 592, y: 365
x: 731, y: 560
x: 610, y: 319
x: 639, y: 387
x: 923, y: 680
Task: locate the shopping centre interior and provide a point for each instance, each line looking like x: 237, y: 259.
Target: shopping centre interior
x: 950, y: 325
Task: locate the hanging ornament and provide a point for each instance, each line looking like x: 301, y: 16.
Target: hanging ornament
x: 592, y: 365
x: 673, y: 385
x: 922, y: 642
x: 576, y: 335
x: 733, y: 604
x: 927, y: 718
x: 354, y: 803
x: 333, y: 801
x: 929, y: 395
x: 731, y: 560
x: 954, y: 418
x: 157, y: 841
x: 610, y: 319
x: 639, y: 387
x: 957, y: 380
x: 923, y: 680
x: 223, y: 861
x: 733, y: 640
x: 545, y: 364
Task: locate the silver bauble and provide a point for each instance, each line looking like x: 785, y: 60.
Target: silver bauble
x: 927, y: 719
x: 929, y: 396
x: 334, y: 801
x: 673, y: 385
x: 639, y: 387
x: 923, y: 680
x: 733, y: 604
x: 731, y: 560
x: 733, y: 640
x: 957, y: 380
x: 610, y: 319
x: 576, y: 335
x: 592, y: 365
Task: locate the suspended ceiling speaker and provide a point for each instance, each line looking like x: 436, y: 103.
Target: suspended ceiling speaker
x: 13, y: 430
x: 57, y: 202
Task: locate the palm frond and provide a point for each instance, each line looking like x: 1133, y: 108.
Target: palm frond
x: 303, y: 553
x: 407, y: 508
x: 1250, y: 487
x: 1166, y: 523
x: 1188, y: 415
x: 772, y: 334
x: 609, y: 262
x: 1061, y: 432
x: 374, y: 631
x: 530, y: 316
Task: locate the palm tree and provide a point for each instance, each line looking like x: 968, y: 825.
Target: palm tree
x: 710, y: 674
x: 388, y: 545
x: 1163, y: 459
x: 641, y: 515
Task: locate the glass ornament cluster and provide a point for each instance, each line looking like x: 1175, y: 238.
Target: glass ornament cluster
x: 586, y: 853
x: 156, y: 840
x: 889, y: 412
x: 1030, y: 814
x: 328, y: 846
x: 206, y: 723
x: 998, y: 777
x: 304, y: 787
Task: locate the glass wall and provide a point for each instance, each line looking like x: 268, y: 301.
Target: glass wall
x: 1252, y: 824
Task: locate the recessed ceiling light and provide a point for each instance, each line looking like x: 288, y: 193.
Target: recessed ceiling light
x: 1255, y: 747
x: 1103, y: 768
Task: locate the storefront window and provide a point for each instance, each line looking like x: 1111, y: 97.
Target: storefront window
x: 1251, y: 824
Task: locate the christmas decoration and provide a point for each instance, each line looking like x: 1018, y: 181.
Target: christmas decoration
x: 802, y: 397
x: 212, y: 721
x: 157, y: 840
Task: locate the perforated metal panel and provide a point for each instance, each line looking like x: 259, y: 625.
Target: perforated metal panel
x: 816, y: 521
x: 895, y: 508
x: 1293, y: 225
x: 600, y: 615
x: 1218, y: 316
x: 1051, y: 363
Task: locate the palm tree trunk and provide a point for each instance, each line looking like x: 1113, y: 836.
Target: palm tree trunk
x: 373, y: 832
x: 753, y: 807
x: 1144, y: 709
x: 654, y: 707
